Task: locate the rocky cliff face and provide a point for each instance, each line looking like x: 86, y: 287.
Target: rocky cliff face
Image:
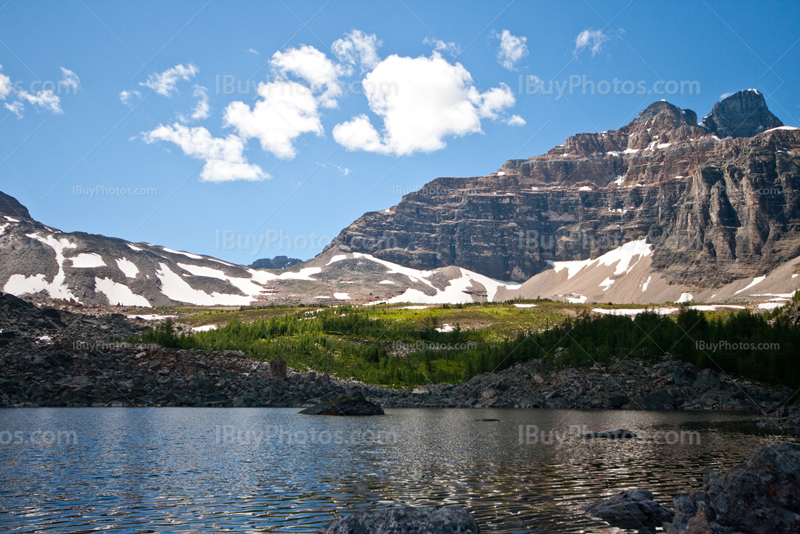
x: 718, y: 200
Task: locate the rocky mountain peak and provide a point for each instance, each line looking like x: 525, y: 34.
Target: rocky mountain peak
x: 742, y: 114
x: 10, y: 206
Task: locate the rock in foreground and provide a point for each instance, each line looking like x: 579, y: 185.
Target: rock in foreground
x: 760, y: 496
x: 355, y: 405
x: 442, y: 520
x: 632, y: 509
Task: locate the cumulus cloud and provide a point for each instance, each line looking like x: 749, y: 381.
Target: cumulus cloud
x: 594, y: 40
x: 512, y: 49
x: 202, y: 110
x: 164, y: 83
x: 421, y: 101
x: 313, y: 67
x: 15, y: 108
x: 127, y: 96
x: 516, y: 120
x: 285, y: 111
x: 357, y: 47
x: 224, y: 157
x: 443, y: 47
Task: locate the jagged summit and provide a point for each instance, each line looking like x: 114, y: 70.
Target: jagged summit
x: 743, y: 114
x: 691, y: 189
x: 10, y: 206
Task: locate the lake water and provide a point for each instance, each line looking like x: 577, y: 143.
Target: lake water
x: 273, y: 470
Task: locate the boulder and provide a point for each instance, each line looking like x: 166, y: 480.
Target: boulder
x: 632, y: 509
x: 355, y: 405
x: 760, y: 496
x: 406, y: 520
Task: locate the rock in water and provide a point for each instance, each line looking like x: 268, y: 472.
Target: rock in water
x: 614, y: 434
x: 355, y: 405
x: 407, y: 520
x: 760, y: 496
x: 632, y: 509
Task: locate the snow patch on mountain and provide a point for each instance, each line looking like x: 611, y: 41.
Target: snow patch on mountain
x: 117, y: 293
x: 87, y: 260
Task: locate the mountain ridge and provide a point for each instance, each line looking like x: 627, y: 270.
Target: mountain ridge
x: 660, y: 210
x: 654, y: 178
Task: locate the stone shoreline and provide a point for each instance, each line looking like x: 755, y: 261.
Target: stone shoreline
x: 128, y: 376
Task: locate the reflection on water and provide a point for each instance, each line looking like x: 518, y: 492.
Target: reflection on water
x: 272, y: 470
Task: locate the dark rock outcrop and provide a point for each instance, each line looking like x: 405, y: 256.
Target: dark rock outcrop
x: 10, y: 206
x: 278, y: 262
x: 716, y: 208
x: 356, y: 405
x: 634, y: 509
x: 743, y: 114
x: 406, y: 520
x: 760, y: 496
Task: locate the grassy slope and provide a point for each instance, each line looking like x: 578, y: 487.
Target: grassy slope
x: 394, y: 346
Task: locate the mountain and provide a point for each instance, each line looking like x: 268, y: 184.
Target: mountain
x: 664, y: 209
x: 715, y: 209
x: 278, y: 262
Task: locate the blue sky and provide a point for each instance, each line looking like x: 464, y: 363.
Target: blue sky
x: 343, y: 107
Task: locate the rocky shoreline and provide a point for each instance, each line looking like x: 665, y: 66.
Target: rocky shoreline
x: 130, y: 375
x: 51, y: 357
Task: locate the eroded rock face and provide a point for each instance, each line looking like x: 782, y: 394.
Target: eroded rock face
x: 443, y: 520
x: 716, y: 208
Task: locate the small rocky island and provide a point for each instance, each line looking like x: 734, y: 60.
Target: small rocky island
x: 356, y: 405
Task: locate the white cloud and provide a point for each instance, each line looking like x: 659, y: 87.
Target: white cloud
x: 357, y: 46
x: 16, y: 108
x: 492, y: 102
x: 421, y: 101
x: 253, y: 51
x: 591, y: 39
x: 512, y: 49
x: 69, y: 79
x: 285, y: 111
x: 164, y: 83
x: 202, y: 110
x: 126, y: 96
x: 723, y: 96
x: 359, y: 134
x: 6, y: 86
x: 441, y: 46
x: 224, y: 157
x: 44, y: 99
x: 314, y: 68
x: 516, y: 120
